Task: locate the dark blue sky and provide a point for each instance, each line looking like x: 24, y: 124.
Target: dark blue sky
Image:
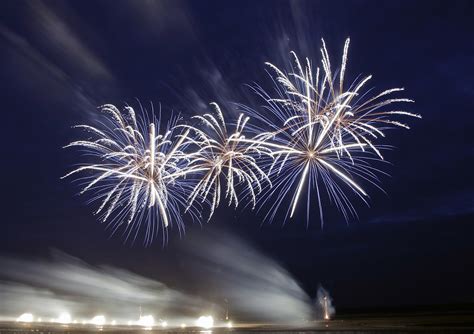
x: 59, y: 60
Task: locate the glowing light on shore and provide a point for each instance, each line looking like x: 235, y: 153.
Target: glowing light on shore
x: 229, y: 324
x: 164, y: 324
x: 146, y: 321
x: 98, y: 320
x: 183, y: 325
x: 326, y: 313
x: 64, y: 318
x: 25, y: 317
x: 205, y: 321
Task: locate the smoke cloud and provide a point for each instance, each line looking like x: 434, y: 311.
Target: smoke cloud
x: 67, y: 284
x: 256, y: 287
x: 230, y: 280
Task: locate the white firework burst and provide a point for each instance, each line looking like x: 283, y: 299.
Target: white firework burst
x: 226, y: 161
x: 320, y: 135
x: 137, y: 174
x: 351, y: 111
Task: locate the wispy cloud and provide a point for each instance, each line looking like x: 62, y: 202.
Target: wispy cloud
x: 64, y: 44
x: 51, y: 63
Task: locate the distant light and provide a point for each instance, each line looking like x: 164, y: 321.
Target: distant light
x: 98, y: 320
x: 326, y: 314
x: 205, y: 321
x: 129, y: 323
x: 183, y: 325
x: 64, y: 318
x: 229, y: 324
x: 75, y: 321
x: 25, y: 317
x: 83, y: 322
x: 164, y: 324
x: 39, y: 320
x: 113, y: 323
x: 146, y: 321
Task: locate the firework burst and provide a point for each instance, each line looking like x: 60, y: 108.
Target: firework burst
x: 324, y: 99
x: 320, y: 135
x: 138, y: 174
x: 227, y: 161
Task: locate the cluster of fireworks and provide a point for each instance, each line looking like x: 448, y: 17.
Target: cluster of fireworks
x: 315, y: 137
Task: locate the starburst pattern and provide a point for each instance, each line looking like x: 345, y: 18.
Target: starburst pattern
x: 320, y: 135
x: 138, y: 178
x: 226, y: 160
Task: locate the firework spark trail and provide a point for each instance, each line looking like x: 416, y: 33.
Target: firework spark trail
x: 225, y: 157
x: 139, y: 177
x: 319, y: 134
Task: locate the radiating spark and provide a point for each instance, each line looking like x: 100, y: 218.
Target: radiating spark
x: 137, y: 173
x: 319, y: 135
x: 354, y: 115
x: 226, y: 160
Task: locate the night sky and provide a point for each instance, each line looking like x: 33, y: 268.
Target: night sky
x: 414, y: 245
